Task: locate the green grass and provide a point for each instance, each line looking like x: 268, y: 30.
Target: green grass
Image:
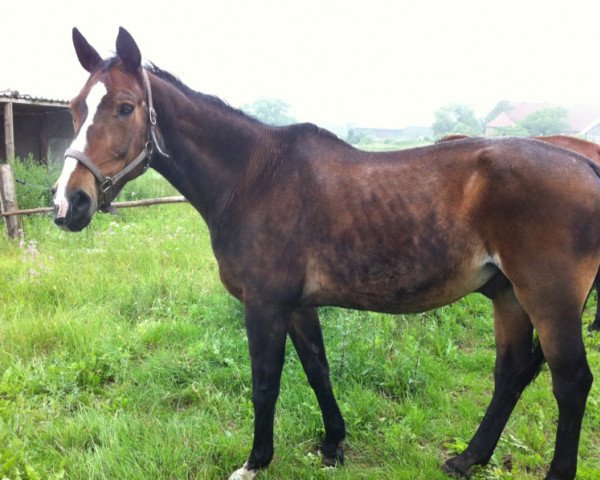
x: 122, y: 357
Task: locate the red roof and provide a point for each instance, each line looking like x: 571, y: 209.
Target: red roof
x: 502, y: 120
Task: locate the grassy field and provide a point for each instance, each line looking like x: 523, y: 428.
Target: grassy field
x: 122, y: 357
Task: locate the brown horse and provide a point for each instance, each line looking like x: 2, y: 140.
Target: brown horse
x: 590, y: 150
x: 299, y: 219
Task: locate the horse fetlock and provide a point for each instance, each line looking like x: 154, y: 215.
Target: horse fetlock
x: 260, y: 457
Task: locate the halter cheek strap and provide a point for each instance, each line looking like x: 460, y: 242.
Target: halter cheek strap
x: 106, y: 182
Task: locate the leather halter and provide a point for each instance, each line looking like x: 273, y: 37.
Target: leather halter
x: 145, y: 156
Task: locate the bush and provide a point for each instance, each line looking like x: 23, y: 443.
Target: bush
x: 34, y: 182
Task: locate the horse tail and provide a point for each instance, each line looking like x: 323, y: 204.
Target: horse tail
x: 525, y: 373
x: 537, y: 360
x: 595, y: 167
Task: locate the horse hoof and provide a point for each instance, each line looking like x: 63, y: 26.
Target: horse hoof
x: 452, y: 468
x: 244, y: 473
x: 594, y: 327
x: 552, y: 475
x: 332, y: 457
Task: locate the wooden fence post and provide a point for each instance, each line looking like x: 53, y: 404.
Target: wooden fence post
x: 9, y: 132
x: 8, y: 201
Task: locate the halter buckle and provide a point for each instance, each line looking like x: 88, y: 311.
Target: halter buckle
x: 106, y: 184
x: 152, y: 116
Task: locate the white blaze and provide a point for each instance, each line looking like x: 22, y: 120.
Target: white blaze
x: 93, y: 100
x: 60, y: 199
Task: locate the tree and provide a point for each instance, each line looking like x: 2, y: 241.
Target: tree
x: 546, y: 121
x: 354, y: 137
x: 270, y: 110
x: 455, y: 118
x: 501, y: 106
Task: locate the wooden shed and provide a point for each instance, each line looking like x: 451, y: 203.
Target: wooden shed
x: 38, y: 126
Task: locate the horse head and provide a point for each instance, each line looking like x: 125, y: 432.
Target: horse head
x: 114, y: 121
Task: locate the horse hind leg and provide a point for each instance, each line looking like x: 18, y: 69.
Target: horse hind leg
x: 562, y: 342
x: 555, y: 307
x: 306, y: 335
x: 518, y: 361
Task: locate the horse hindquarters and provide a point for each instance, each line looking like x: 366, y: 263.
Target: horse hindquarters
x: 545, y: 239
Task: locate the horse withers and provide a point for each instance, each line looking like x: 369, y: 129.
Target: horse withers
x: 300, y: 219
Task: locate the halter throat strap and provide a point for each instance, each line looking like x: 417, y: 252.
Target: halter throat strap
x: 145, y: 156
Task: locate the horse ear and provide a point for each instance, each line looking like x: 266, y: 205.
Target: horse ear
x: 128, y: 51
x: 87, y: 55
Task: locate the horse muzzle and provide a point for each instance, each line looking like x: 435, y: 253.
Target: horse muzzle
x: 74, y: 212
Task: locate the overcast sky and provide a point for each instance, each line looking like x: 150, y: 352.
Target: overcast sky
x: 363, y: 63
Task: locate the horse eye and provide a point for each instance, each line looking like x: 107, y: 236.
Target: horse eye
x: 126, y: 109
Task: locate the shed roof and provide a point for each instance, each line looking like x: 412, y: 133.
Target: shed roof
x: 15, y: 97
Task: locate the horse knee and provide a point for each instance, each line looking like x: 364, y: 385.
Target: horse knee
x: 264, y: 395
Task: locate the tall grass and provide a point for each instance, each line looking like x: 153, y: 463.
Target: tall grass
x: 34, y: 182
x: 122, y: 357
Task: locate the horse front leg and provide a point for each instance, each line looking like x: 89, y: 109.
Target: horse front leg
x: 267, y: 328
x: 305, y: 332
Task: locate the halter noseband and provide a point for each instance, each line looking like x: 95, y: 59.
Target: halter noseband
x: 106, y: 183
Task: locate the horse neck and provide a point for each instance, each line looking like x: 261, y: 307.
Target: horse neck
x: 210, y: 145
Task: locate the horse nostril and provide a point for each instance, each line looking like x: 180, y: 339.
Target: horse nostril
x: 80, y: 203
x: 60, y: 222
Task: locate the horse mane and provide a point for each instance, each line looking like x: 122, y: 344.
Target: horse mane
x: 218, y: 102
x: 214, y: 100
x: 193, y: 94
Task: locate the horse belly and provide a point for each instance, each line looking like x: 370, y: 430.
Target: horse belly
x: 395, y: 287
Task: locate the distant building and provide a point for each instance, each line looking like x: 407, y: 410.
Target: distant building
x: 41, y: 127
x: 584, y: 120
